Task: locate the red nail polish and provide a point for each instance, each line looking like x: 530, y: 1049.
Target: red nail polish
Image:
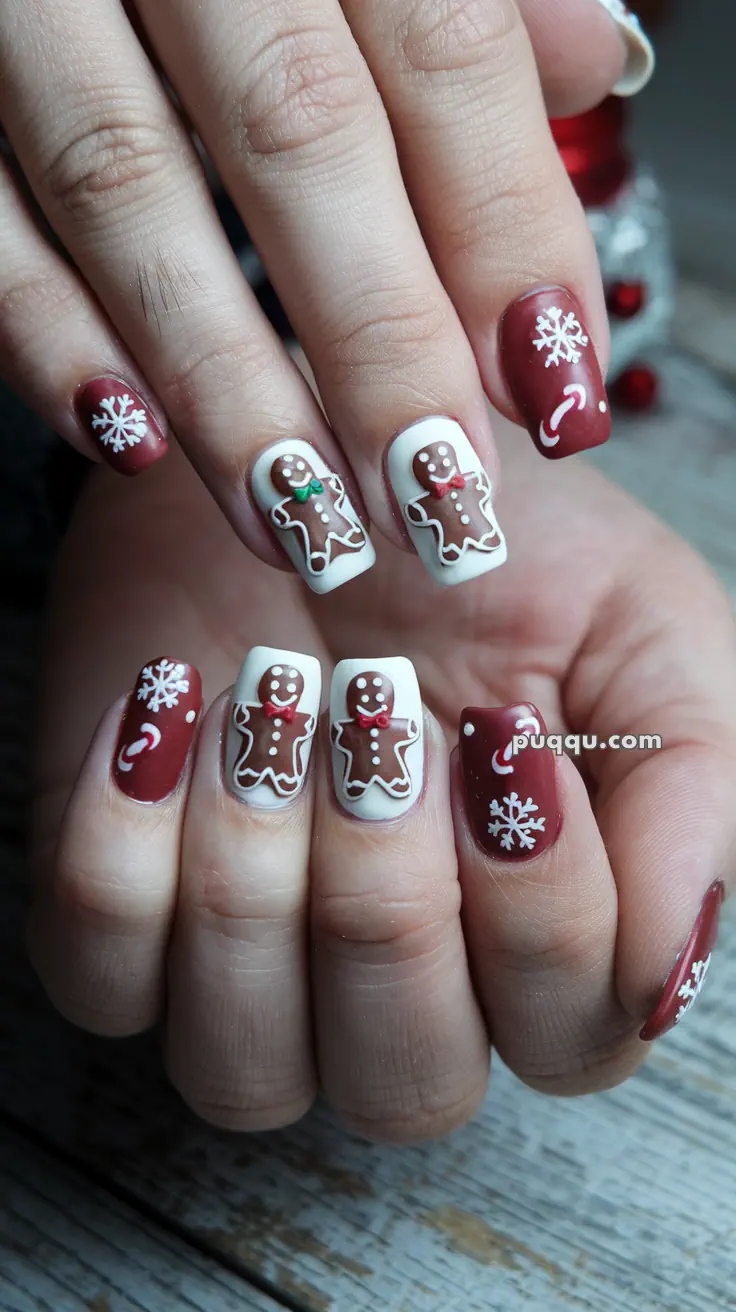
x: 120, y: 424
x: 511, y: 798
x: 157, y: 730
x: 552, y: 372
x: 691, y: 968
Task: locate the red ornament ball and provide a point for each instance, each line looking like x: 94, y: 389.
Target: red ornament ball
x: 636, y: 389
x: 626, y: 299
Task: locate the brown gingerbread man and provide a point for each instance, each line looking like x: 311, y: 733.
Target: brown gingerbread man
x: 373, y: 742
x: 456, y: 506
x: 317, y: 509
x: 273, y: 730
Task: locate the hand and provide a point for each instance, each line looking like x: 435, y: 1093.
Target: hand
x: 395, y: 276
x: 196, y: 910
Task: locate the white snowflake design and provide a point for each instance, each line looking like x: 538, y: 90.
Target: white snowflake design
x: 118, y: 426
x: 162, y: 683
x: 560, y: 334
x: 692, y: 986
x: 515, y: 820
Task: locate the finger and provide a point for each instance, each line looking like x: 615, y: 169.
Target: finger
x: 100, y: 923
x: 539, y: 907
x: 505, y: 229
x: 402, y: 1050
x: 59, y: 351
x: 239, y: 1035
x: 292, y: 118
x: 119, y: 180
x: 586, y: 49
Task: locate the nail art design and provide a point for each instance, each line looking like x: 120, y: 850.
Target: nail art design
x: 306, y: 502
x: 377, y: 732
x: 688, y: 976
x: 511, y: 798
x: 157, y: 730
x: 445, y: 496
x: 121, y: 425
x: 553, y: 374
x: 641, y: 61
x: 272, y: 722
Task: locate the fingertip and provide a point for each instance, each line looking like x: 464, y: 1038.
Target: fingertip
x: 582, y: 53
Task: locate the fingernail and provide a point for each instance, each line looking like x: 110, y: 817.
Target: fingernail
x: 445, y: 497
x: 272, y: 722
x: 641, y: 58
x: 120, y: 424
x: 511, y: 798
x: 306, y: 504
x: 377, y: 732
x: 690, y: 970
x: 552, y: 372
x: 157, y: 730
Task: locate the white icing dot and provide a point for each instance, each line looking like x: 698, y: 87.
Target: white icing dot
x: 325, y: 519
x: 380, y: 697
x: 376, y: 760
x: 374, y: 733
x: 465, y: 519
x: 278, y: 723
x: 469, y: 730
x: 273, y: 751
x: 274, y: 685
x: 459, y: 507
x: 191, y: 717
x: 277, y: 670
x: 318, y: 507
x: 365, y: 697
x: 300, y: 464
x: 447, y: 463
x: 423, y: 457
x: 291, y: 687
x: 431, y: 468
x: 602, y: 407
x: 378, y: 683
x: 293, y: 674
x: 442, y: 450
x: 276, y: 735
x: 453, y: 496
x: 360, y: 683
x: 287, y: 459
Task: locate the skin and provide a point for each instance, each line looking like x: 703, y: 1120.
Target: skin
x: 304, y: 949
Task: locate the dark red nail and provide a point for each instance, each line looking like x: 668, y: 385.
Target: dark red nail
x: 552, y: 372
x: 120, y: 424
x: 157, y: 730
x: 511, y: 798
x: 691, y: 968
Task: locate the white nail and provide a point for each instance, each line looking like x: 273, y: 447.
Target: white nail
x: 273, y: 717
x: 377, y: 733
x: 445, y: 497
x: 322, y: 533
x: 641, y: 60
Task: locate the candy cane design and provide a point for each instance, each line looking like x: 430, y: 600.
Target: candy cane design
x: 576, y: 395
x: 527, y: 724
x: 148, y: 743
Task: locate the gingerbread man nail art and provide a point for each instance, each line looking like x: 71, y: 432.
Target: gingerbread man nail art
x: 273, y: 718
x: 306, y: 503
x: 377, y: 737
x: 445, y: 496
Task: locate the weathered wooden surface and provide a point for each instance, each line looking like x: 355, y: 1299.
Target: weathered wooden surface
x: 624, y: 1202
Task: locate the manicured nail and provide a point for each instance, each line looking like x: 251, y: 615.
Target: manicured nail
x: 120, y: 424
x: 511, y: 798
x: 377, y: 731
x: 553, y: 374
x: 446, y: 499
x: 272, y: 722
x: 690, y: 970
x: 306, y: 503
x: 157, y: 730
x: 641, y: 58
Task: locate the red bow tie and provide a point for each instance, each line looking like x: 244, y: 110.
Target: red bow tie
x: 281, y: 712
x: 380, y: 721
x: 441, y: 489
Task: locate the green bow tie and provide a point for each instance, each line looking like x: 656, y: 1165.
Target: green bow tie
x: 304, y: 493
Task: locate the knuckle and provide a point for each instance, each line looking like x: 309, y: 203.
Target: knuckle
x: 516, y: 207
x: 112, y: 906
x: 32, y: 306
x: 218, y: 372
x: 237, y: 903
x: 118, y: 159
x: 302, y: 90
x: 441, y: 36
x: 394, y: 334
x: 405, y: 929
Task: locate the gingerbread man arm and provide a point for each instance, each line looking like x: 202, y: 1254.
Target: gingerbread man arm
x: 241, y: 715
x: 415, y: 512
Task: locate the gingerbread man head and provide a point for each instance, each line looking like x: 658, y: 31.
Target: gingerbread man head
x: 370, y: 693
x: 290, y: 474
x: 281, y: 685
x: 435, y: 465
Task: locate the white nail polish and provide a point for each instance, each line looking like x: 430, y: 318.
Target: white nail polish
x: 377, y: 734
x: 305, y: 502
x: 641, y: 60
x: 445, y: 497
x: 273, y: 717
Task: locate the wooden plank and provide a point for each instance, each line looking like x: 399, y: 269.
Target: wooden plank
x: 67, y: 1246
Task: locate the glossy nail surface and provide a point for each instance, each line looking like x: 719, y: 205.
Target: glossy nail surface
x: 552, y: 372
x: 641, y: 59
x: 692, y: 966
x: 446, y: 500
x: 377, y: 734
x: 120, y: 425
x: 272, y: 722
x: 307, y: 505
x: 511, y: 799
x: 157, y: 730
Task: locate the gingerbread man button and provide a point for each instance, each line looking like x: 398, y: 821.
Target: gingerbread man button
x: 273, y: 719
x: 446, y: 498
x: 306, y: 503
x: 377, y: 737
